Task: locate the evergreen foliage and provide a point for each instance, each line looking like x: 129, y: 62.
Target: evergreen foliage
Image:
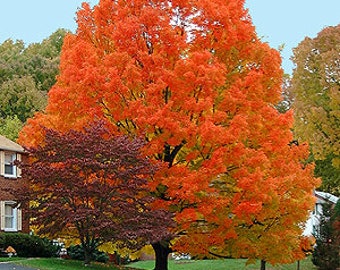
x: 326, y: 252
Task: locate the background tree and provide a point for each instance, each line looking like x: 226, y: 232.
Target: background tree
x: 287, y: 97
x: 92, y: 186
x: 326, y: 252
x: 330, y: 175
x: 315, y: 86
x: 26, y: 75
x: 20, y: 97
x: 10, y: 127
x: 196, y: 82
x: 10, y: 59
x: 42, y: 60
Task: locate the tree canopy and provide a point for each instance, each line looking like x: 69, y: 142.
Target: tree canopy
x: 92, y: 186
x: 26, y: 75
x: 315, y: 86
x: 194, y: 80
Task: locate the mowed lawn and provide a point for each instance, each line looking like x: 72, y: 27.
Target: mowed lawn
x: 58, y: 264
x: 230, y: 264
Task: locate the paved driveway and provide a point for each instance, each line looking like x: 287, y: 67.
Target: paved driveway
x: 10, y: 266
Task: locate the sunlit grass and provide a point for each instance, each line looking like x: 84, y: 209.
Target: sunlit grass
x: 230, y: 264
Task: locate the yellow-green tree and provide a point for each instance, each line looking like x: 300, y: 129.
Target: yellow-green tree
x: 316, y: 89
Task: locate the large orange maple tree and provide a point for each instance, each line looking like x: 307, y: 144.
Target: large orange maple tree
x: 193, y: 79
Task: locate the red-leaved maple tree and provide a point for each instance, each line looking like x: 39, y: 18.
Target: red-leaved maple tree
x: 92, y: 186
x: 193, y: 79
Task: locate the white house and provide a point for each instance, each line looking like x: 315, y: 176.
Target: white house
x: 314, y: 220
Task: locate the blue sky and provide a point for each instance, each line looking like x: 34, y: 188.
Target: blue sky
x: 277, y: 22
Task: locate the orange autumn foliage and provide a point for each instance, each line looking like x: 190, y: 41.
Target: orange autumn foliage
x: 194, y: 79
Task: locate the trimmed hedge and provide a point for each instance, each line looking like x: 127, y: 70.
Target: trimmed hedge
x: 28, y: 245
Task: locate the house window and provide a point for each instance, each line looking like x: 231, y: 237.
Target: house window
x: 10, y: 217
x: 10, y: 168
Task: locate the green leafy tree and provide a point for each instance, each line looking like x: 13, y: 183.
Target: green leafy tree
x: 20, y: 97
x: 39, y: 60
x: 10, y: 127
x: 26, y: 75
x: 42, y: 60
x: 330, y: 175
x: 11, y: 60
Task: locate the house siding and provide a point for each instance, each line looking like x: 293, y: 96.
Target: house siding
x: 312, y: 224
x: 8, y: 185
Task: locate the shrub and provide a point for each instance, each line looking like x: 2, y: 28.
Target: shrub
x: 28, y: 245
x: 76, y: 252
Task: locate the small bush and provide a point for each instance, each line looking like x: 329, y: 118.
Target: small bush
x: 76, y: 252
x: 28, y: 245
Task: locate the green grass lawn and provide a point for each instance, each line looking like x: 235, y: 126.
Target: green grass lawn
x: 6, y: 259
x: 60, y: 264
x: 231, y: 264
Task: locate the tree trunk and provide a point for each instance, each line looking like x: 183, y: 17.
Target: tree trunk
x: 88, y: 253
x: 162, y: 251
x: 298, y: 265
x: 263, y: 265
x: 87, y: 257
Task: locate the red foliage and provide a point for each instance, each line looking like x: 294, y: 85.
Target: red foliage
x: 94, y: 186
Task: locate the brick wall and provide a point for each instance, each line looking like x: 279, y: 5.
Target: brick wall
x: 10, y: 183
